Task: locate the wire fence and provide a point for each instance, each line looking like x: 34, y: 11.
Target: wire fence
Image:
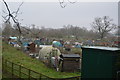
x: 18, y: 71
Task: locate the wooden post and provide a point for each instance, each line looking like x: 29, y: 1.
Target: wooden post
x: 50, y: 56
x: 20, y: 71
x: 12, y: 69
x: 29, y: 73
x: 40, y: 77
x: 6, y: 65
x: 2, y: 65
x: 62, y: 69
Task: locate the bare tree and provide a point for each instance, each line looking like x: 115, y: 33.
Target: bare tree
x: 7, y: 31
x: 12, y: 15
x: 103, y: 25
x: 63, y: 3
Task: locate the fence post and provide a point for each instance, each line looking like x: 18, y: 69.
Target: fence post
x: 40, y: 77
x: 29, y: 74
x: 5, y: 65
x: 20, y: 71
x: 12, y: 69
x: 2, y: 65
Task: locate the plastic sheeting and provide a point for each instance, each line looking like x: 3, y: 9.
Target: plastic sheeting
x: 46, y: 52
x: 13, y: 37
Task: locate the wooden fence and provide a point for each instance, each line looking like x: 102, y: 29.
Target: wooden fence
x: 20, y: 72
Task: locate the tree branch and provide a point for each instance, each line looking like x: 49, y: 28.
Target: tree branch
x: 11, y: 16
x: 6, y: 6
x: 62, y: 3
x: 72, y: 2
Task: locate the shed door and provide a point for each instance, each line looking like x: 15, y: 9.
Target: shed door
x: 96, y: 64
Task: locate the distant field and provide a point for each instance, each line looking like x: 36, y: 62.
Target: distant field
x: 16, y: 56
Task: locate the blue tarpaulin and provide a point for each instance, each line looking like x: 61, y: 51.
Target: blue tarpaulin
x: 25, y: 43
x: 57, y: 44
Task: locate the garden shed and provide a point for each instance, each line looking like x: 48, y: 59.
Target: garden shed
x: 100, y: 62
x: 70, y: 62
x: 32, y: 47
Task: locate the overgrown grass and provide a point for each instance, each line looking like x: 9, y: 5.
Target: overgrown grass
x: 16, y: 56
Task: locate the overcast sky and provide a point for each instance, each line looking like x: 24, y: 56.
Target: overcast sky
x: 51, y: 15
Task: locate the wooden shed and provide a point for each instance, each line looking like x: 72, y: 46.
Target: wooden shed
x: 32, y: 47
x: 70, y: 62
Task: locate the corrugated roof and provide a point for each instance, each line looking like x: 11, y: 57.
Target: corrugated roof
x: 102, y: 48
x: 70, y: 56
